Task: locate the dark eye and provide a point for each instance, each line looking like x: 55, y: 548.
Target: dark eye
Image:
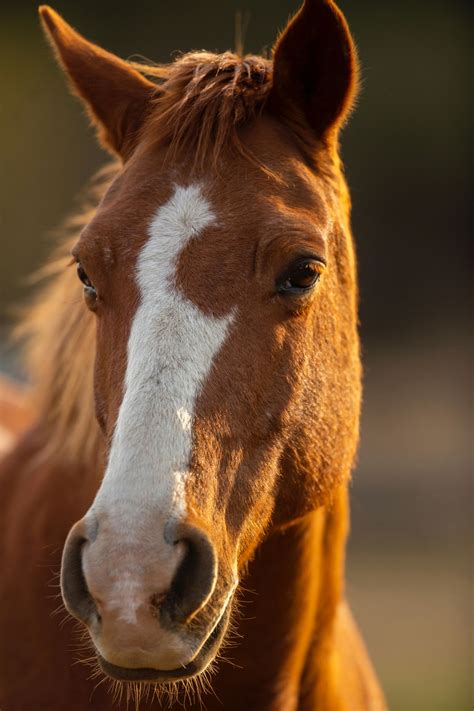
x: 302, y: 276
x: 83, y: 277
x: 90, y: 293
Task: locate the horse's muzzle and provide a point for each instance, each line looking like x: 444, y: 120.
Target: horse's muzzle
x: 144, y: 601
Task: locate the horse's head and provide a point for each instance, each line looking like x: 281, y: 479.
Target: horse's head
x: 220, y: 268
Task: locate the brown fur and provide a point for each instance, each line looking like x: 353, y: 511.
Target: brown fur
x: 276, y: 426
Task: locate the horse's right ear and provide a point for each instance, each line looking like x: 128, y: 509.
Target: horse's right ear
x: 314, y: 70
x: 117, y: 97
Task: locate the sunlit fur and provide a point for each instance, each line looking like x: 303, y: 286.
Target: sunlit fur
x: 271, y: 133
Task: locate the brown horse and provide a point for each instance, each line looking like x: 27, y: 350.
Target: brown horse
x: 218, y: 343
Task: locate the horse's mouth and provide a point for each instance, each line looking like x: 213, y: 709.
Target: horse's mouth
x: 205, y: 656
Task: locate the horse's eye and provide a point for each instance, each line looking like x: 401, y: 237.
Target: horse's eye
x: 90, y: 293
x: 302, y: 276
x: 83, y: 276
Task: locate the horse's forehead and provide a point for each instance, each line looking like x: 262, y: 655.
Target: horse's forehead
x: 247, y: 204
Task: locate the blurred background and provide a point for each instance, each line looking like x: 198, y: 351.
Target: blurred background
x: 406, y: 155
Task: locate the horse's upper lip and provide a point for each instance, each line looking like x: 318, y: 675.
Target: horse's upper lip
x: 194, y: 667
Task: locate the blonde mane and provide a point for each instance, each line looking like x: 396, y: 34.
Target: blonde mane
x: 58, y: 336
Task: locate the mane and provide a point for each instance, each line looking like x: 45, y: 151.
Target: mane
x: 58, y: 337
x: 202, y: 101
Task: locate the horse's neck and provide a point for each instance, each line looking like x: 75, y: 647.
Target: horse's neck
x: 289, y: 606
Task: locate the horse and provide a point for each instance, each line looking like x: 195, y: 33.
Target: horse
x: 196, y: 378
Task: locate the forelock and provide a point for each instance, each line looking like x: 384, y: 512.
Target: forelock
x: 203, y: 99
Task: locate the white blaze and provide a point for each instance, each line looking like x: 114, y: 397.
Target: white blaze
x: 171, y: 349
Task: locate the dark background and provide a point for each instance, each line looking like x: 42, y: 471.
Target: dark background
x: 406, y: 155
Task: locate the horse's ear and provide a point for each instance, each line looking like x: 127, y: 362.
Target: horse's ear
x: 315, y: 70
x: 116, y: 96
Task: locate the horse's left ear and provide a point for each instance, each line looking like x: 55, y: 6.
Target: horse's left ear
x: 116, y: 96
x: 315, y: 70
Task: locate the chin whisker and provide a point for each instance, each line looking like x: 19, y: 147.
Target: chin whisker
x: 185, y: 692
x: 99, y: 683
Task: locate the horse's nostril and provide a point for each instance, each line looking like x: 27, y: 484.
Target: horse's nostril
x: 75, y: 592
x: 195, y: 578
x: 191, y: 586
